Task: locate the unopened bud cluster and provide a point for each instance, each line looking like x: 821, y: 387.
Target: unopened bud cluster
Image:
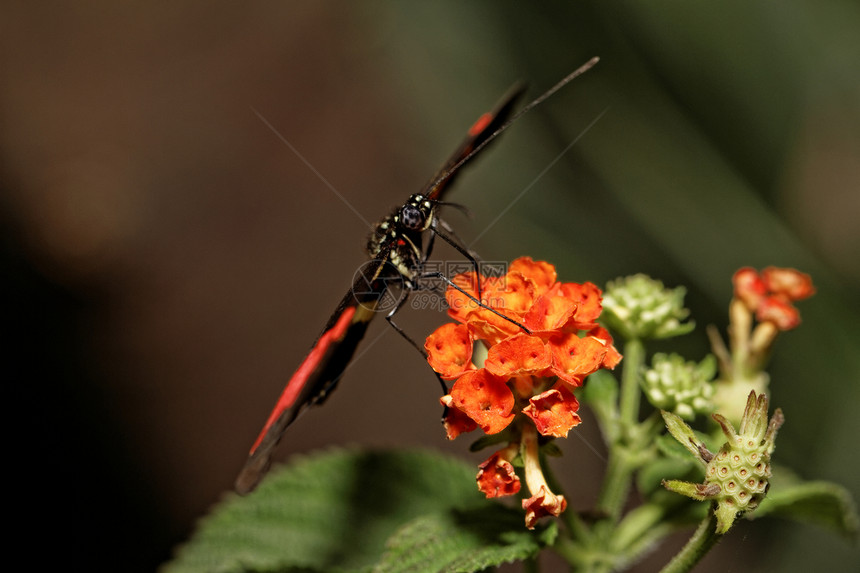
x: 641, y: 307
x: 680, y: 387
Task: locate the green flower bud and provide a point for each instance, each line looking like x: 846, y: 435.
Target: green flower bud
x: 640, y: 307
x: 737, y: 477
x: 680, y: 387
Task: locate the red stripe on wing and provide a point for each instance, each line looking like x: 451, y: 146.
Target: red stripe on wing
x: 303, y: 372
x: 481, y: 124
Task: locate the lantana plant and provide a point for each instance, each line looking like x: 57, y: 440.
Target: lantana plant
x: 534, y: 361
x: 525, y: 352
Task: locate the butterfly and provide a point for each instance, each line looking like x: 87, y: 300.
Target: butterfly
x: 398, y: 252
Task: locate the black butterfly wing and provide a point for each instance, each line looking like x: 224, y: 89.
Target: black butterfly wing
x: 329, y: 357
x: 322, y: 368
x: 481, y: 130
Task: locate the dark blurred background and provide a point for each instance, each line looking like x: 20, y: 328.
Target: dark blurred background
x: 167, y: 259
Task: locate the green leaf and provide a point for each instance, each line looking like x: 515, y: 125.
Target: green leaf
x: 327, y: 512
x: 464, y: 541
x: 820, y: 502
x: 683, y: 433
x: 670, y: 447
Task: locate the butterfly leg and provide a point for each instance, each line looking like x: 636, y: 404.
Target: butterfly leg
x: 452, y: 234
x: 452, y: 239
x: 390, y: 318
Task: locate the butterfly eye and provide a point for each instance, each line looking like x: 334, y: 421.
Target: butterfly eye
x: 412, y: 217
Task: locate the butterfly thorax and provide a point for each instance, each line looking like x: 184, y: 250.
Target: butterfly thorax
x: 399, y: 235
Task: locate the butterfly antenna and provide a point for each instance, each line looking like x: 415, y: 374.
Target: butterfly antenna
x: 533, y: 104
x: 459, y: 206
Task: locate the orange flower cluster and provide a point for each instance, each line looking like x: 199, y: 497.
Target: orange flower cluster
x: 768, y: 297
x: 542, y: 341
x: 770, y: 294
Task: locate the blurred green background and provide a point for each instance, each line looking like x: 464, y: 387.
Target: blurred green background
x: 167, y: 259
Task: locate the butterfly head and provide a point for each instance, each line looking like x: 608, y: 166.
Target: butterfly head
x: 416, y: 214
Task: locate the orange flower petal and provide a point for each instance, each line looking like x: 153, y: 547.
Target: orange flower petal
x: 497, y: 478
x: 790, y: 283
x: 456, y: 422
x: 459, y: 304
x: 574, y: 358
x: 518, y: 354
x: 613, y: 357
x: 749, y: 287
x: 554, y: 412
x: 778, y: 311
x: 540, y: 273
x: 485, y: 398
x: 551, y: 311
x: 543, y: 503
x: 509, y: 295
x: 492, y: 327
x: 449, y: 350
x: 512, y: 294
x: 588, y: 298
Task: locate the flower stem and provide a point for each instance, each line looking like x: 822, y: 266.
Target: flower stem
x: 616, y: 484
x: 702, y: 541
x: 531, y: 459
x: 634, y: 357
